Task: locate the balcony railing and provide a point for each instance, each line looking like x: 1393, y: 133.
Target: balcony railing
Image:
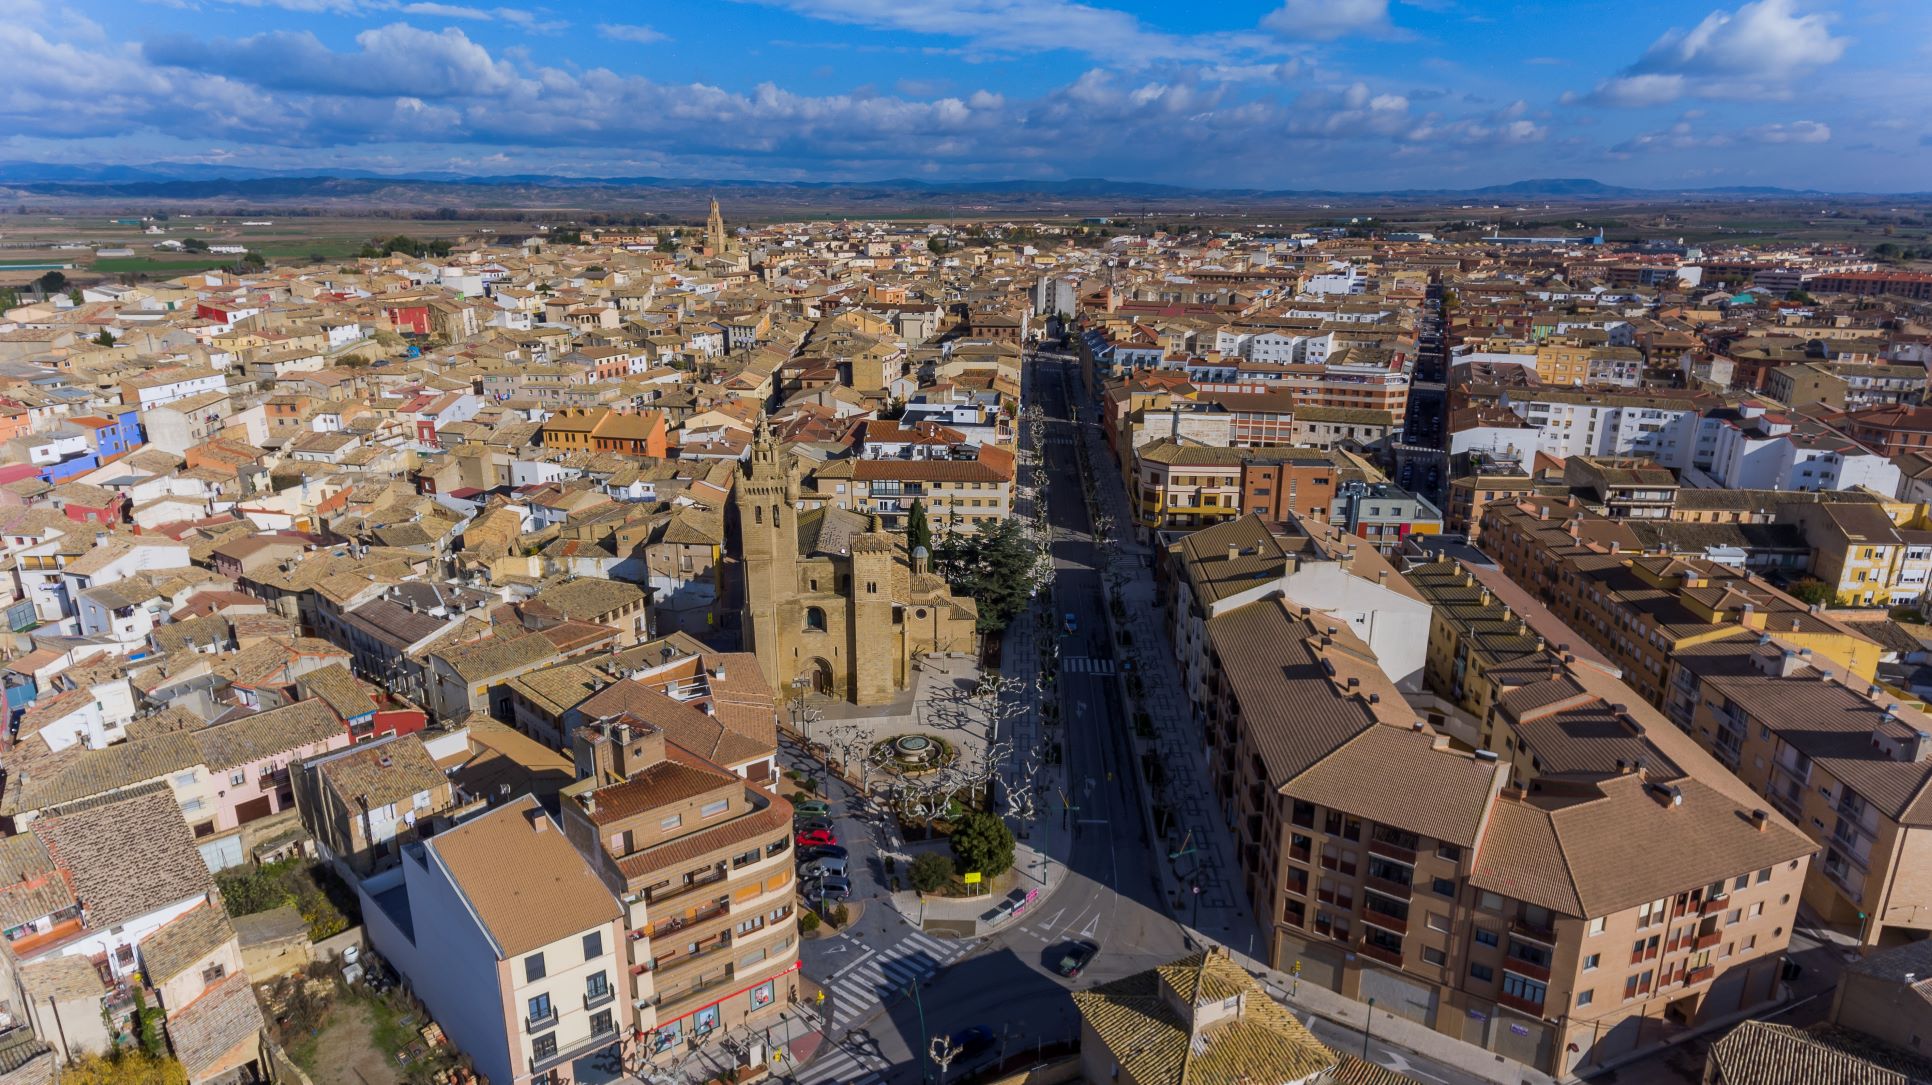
x: 1388, y: 888
x: 1390, y: 923
x: 539, y: 1022
x: 1708, y: 940
x: 673, y: 924
x: 685, y: 994
x: 1386, y: 850
x: 1530, y: 932
x: 1527, y: 969
x: 680, y: 958
x: 670, y: 892
x: 594, y: 999
x: 1379, y: 953
x: 1699, y: 975
x: 1522, y: 1005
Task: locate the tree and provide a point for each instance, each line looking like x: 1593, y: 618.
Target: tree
x: 253, y: 260
x: 9, y: 298
x: 126, y: 1067
x: 51, y: 283
x: 147, y: 1025
x: 982, y: 843
x: 931, y: 872
x: 996, y: 565
x: 1811, y: 590
x: 193, y: 244
x: 918, y: 528
x: 105, y: 339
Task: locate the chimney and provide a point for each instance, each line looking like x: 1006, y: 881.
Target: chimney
x: 1760, y: 820
x: 1917, y: 748
x: 1234, y: 551
x: 718, y: 671
x: 1353, y: 682
x: 539, y: 821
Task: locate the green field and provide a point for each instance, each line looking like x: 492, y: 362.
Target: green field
x: 148, y: 265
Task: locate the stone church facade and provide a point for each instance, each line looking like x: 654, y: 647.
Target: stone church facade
x: 833, y: 604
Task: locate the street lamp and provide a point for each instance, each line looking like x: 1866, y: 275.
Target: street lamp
x: 1368, y: 1023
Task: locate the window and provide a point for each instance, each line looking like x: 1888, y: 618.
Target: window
x: 1481, y: 972
x: 213, y: 972
x: 671, y: 822
x: 1527, y: 989
x: 1443, y: 887
x: 596, y: 987
x: 544, y: 1046
x: 1596, y: 925
x: 815, y: 619
x: 713, y: 809
x: 1490, y: 902
x: 1743, y: 881
x: 1434, y: 956
x: 540, y: 1008
x: 533, y: 968
x: 1584, y: 998
x: 1486, y: 938
x: 238, y: 779
x: 593, y: 945
x: 602, y: 1024
x: 1437, y: 921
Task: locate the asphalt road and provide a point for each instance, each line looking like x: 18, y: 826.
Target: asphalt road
x: 1110, y: 894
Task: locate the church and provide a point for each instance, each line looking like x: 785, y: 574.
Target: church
x: 833, y: 604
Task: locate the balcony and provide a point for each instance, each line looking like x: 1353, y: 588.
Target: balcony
x: 1530, y: 932
x: 1700, y: 975
x: 1374, y: 952
x: 1715, y: 904
x: 1400, y: 854
x: 1330, y: 862
x: 677, y: 923
x: 1388, y: 888
x: 678, y: 959
x: 1298, y: 854
x: 1527, y: 969
x: 1520, y: 1005
x: 668, y: 1003
x: 594, y: 1042
x: 671, y: 892
x: 594, y: 999
x: 1708, y: 940
x: 539, y: 1022
x: 1392, y: 924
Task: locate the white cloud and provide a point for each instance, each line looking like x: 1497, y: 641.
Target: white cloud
x: 1792, y: 132
x: 1032, y: 26
x: 1325, y: 20
x: 631, y: 32
x: 1757, y: 51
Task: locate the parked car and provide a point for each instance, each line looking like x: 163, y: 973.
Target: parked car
x: 1075, y: 959
x: 815, y: 838
x: 825, y: 851
x: 833, y: 889
x: 1072, y: 623
x: 811, y: 808
x: 971, y: 1041
x: 822, y: 868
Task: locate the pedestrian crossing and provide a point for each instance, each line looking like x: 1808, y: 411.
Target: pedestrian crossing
x: 857, y: 989
x: 844, y: 1064
x: 1085, y: 665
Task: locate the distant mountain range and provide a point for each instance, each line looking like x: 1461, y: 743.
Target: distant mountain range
x: 189, y: 181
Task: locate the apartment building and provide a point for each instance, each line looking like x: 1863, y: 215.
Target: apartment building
x: 1839, y: 757
x: 512, y: 942
x: 1184, y: 486
x: 1641, y: 611
x: 1585, y: 918
x: 1314, y: 566
x: 701, y: 860
x: 962, y: 490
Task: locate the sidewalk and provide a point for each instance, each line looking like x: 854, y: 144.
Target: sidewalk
x: 1199, y: 833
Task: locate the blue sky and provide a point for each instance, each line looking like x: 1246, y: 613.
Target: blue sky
x: 1345, y: 94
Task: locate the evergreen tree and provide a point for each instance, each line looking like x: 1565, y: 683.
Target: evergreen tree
x: 918, y: 529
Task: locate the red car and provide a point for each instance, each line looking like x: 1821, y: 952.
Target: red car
x: 815, y: 838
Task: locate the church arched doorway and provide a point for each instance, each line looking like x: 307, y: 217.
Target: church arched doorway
x: 818, y: 676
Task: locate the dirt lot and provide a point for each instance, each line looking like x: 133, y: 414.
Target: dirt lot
x: 346, y: 1052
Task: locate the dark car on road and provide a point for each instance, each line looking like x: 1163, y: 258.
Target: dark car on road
x: 1074, y: 961
x: 823, y: 851
x: 971, y: 1041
